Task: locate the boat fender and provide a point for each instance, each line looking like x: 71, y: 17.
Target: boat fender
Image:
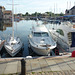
x: 28, y: 56
x: 73, y: 54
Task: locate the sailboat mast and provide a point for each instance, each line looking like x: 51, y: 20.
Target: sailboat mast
x: 54, y: 16
x: 13, y: 19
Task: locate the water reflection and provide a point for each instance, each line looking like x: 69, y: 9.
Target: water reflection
x: 4, y: 24
x: 21, y: 29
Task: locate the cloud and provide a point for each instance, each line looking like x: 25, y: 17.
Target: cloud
x: 37, y: 5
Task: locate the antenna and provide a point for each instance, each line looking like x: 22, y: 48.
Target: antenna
x: 54, y: 10
x: 50, y: 12
x: 70, y: 5
x: 67, y: 5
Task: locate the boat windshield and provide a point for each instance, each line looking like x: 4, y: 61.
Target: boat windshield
x: 37, y: 34
x: 44, y: 34
x: 41, y: 34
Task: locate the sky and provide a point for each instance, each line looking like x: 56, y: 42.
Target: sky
x: 41, y: 6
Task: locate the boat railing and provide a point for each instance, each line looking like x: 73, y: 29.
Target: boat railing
x: 68, y: 24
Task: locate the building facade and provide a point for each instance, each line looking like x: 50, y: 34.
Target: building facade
x: 71, y: 11
x: 7, y: 15
x: 2, y: 9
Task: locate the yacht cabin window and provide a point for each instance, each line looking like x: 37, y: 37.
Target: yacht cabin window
x: 37, y: 34
x: 44, y: 34
x: 60, y: 32
x: 40, y: 34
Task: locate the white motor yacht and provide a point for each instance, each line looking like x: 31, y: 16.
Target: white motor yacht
x: 65, y: 35
x: 40, y: 41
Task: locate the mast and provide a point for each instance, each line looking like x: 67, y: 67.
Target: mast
x: 67, y: 5
x: 70, y: 5
x: 13, y: 19
x: 37, y: 19
x: 54, y: 11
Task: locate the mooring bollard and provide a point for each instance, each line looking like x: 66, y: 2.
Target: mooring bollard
x: 23, y: 67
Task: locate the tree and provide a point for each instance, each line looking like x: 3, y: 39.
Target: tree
x: 48, y: 13
x: 34, y: 14
x: 61, y: 14
x: 26, y: 14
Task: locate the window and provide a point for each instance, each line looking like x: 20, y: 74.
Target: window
x: 37, y: 34
x: 40, y: 34
x: 44, y: 34
x: 60, y: 32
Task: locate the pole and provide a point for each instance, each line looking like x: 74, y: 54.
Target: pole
x: 54, y: 11
x: 67, y: 5
x: 13, y: 19
x: 70, y: 5
x: 23, y: 67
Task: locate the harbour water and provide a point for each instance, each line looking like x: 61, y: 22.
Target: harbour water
x: 21, y: 29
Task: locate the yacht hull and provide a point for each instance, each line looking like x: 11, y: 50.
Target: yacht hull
x: 13, y: 53
x: 64, y: 45
x: 40, y: 51
x: 1, y: 45
x: 13, y: 46
x: 63, y: 42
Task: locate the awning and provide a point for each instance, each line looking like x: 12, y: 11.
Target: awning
x: 69, y: 16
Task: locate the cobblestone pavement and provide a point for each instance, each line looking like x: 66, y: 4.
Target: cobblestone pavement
x: 38, y: 66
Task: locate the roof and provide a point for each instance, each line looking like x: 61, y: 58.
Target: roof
x: 7, y: 11
x: 2, y: 7
x: 72, y: 8
x: 69, y: 16
x: 40, y: 28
